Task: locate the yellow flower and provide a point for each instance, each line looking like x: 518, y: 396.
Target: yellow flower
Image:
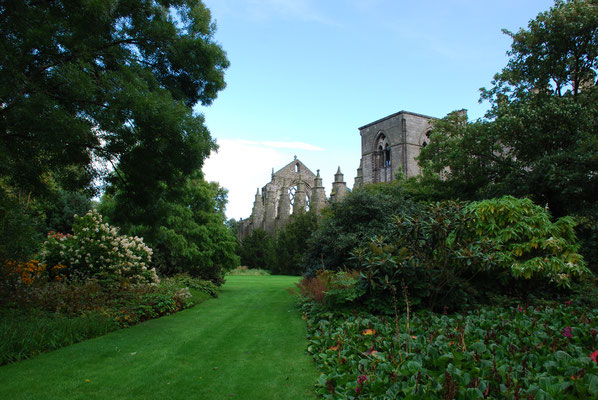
x: 369, y: 332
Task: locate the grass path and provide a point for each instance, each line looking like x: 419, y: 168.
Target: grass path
x: 247, y: 344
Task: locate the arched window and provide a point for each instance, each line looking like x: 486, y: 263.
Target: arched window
x: 297, y: 167
x: 384, y: 152
x: 426, y: 139
x: 387, y: 155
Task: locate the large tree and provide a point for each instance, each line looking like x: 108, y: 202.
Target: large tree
x: 92, y: 84
x: 540, y: 137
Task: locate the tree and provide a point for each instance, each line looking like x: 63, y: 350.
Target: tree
x: 556, y: 55
x: 257, y: 250
x: 291, y: 244
x: 539, y: 137
x: 365, y: 213
x: 86, y: 85
x: 189, y: 233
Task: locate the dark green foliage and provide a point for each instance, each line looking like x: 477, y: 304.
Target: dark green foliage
x: 20, y: 230
x: 257, y: 250
x: 539, y: 138
x: 417, y: 257
x: 108, y: 80
x: 541, y: 352
x: 187, y: 232
x: 291, y: 244
x: 61, y: 207
x: 450, y: 254
x: 363, y: 214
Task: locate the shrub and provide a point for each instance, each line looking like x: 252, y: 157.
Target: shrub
x: 257, y: 250
x: 290, y: 244
x: 525, y: 243
x: 243, y: 270
x: 20, y: 236
x: 97, y: 250
x: 332, y: 289
x: 345, y: 225
x: 446, y: 253
x: 182, y: 281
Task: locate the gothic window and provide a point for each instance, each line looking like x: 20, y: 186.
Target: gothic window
x: 292, y: 191
x: 384, y: 152
x: 426, y: 139
x: 387, y: 155
x: 292, y: 194
x: 297, y: 167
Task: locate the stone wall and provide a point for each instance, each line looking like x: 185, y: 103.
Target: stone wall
x: 391, y: 144
x: 292, y: 189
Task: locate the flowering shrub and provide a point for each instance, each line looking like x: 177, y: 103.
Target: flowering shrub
x: 24, y: 272
x: 97, y: 250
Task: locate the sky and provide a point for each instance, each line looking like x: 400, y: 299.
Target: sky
x: 306, y: 74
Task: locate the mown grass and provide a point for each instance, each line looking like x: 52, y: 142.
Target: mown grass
x: 248, y: 344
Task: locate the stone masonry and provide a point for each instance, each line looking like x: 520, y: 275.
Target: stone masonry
x: 388, y: 146
x: 391, y: 144
x: 292, y: 189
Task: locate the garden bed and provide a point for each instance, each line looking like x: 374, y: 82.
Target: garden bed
x: 544, y: 352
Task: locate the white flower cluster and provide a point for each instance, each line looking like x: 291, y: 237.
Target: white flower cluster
x: 97, y: 250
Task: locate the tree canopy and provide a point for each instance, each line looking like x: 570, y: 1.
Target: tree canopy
x: 539, y: 137
x: 108, y: 85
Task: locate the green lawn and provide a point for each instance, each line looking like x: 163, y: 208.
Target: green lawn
x: 247, y: 344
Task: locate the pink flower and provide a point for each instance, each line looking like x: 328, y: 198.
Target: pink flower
x: 567, y: 332
x: 594, y: 356
x: 568, y: 302
x: 361, y: 379
x: 520, y: 309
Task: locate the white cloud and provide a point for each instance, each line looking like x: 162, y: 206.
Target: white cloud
x: 242, y: 166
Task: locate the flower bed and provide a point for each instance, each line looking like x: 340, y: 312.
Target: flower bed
x: 548, y: 352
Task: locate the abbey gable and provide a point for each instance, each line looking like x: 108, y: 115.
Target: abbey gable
x: 292, y: 189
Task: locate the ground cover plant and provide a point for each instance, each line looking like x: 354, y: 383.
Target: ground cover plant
x: 523, y: 352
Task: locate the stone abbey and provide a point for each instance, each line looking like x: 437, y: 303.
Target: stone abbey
x: 292, y: 189
x: 388, y: 146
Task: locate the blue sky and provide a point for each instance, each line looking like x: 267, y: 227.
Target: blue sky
x: 306, y: 74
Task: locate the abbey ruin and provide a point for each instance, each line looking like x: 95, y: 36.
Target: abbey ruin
x: 292, y: 189
x: 388, y: 146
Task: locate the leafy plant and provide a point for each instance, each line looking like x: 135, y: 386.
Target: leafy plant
x: 449, y: 252
x: 364, y: 214
x: 97, y: 250
x: 543, y: 352
x: 525, y: 243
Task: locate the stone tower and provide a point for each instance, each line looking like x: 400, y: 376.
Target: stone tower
x: 318, y: 195
x: 391, y: 144
x: 339, y: 187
